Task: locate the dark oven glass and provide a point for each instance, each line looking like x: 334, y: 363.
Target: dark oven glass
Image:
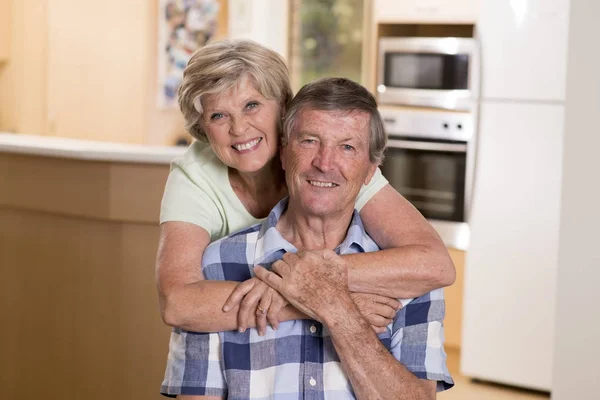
x: 433, y: 181
x: 426, y: 71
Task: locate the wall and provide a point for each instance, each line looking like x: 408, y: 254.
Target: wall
x: 577, y: 324
x: 87, y: 70
x: 23, y: 75
x: 265, y: 21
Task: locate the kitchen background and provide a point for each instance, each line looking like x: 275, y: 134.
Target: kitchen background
x: 505, y: 174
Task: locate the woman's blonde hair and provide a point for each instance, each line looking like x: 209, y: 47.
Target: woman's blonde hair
x: 221, y: 65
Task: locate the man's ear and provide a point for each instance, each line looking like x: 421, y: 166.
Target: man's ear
x: 372, y: 169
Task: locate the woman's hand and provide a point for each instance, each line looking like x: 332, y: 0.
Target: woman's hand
x: 379, y: 311
x: 256, y: 300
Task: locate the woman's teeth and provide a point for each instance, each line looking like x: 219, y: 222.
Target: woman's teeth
x: 246, y: 146
x: 322, y: 184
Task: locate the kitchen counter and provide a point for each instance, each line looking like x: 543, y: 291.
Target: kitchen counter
x: 77, y: 149
x: 78, y: 240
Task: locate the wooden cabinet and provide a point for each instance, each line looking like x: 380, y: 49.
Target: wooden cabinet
x: 5, y: 31
x: 426, y: 11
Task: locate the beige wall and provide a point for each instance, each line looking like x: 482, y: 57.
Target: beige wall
x: 576, y: 348
x: 5, y: 10
x: 86, y: 70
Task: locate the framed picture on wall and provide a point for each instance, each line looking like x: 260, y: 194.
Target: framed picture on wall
x: 184, y: 26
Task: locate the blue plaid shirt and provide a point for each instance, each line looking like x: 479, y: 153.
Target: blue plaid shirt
x: 299, y: 357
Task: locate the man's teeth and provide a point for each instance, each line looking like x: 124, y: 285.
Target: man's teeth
x: 322, y: 184
x: 246, y: 146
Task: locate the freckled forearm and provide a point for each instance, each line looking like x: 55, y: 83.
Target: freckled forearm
x: 373, y: 372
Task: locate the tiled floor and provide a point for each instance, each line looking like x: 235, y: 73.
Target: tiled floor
x: 465, y: 389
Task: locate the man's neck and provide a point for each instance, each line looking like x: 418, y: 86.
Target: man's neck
x: 309, y: 232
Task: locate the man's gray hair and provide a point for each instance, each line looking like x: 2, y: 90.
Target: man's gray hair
x: 338, y: 94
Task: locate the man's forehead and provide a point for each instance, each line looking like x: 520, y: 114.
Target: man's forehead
x: 313, y: 119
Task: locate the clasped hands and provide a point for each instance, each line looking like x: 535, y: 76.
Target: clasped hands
x: 315, y: 283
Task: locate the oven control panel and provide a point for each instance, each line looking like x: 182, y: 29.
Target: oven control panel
x: 428, y: 124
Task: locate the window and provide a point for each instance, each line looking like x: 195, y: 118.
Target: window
x: 325, y: 39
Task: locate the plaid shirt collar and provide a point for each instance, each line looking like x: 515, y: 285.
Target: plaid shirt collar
x: 270, y: 240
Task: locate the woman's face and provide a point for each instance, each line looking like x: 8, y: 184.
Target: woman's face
x: 241, y: 126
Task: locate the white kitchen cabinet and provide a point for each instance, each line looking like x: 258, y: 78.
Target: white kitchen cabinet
x: 524, y: 48
x: 425, y: 11
x: 511, y: 264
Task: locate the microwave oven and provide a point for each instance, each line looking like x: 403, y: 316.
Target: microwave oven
x: 428, y: 72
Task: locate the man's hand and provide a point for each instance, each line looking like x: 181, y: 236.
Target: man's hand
x: 315, y: 282
x: 256, y: 300
x: 378, y: 311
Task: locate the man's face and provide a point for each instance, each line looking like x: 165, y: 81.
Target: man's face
x: 327, y: 160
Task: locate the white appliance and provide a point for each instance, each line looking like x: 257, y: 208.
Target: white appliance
x: 428, y: 71
x: 511, y: 264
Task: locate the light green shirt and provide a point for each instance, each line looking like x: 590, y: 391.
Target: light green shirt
x: 198, y: 191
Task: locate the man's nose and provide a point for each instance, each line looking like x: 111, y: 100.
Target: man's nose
x: 324, y: 159
x: 239, y: 125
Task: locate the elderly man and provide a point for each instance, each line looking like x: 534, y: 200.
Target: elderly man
x: 333, y: 142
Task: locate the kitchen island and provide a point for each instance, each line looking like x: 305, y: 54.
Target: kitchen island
x: 78, y: 239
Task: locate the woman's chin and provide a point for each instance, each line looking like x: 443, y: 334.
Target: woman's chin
x: 249, y: 167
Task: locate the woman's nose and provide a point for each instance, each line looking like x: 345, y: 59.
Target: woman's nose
x: 239, y: 126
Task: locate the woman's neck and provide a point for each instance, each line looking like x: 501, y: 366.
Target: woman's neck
x: 260, y: 190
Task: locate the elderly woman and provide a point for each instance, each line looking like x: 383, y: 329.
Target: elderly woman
x: 232, y: 97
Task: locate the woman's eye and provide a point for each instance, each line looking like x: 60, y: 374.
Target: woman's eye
x: 251, y: 105
x: 216, y: 116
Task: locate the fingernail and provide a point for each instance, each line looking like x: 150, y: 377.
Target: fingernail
x: 226, y: 308
x: 241, y: 330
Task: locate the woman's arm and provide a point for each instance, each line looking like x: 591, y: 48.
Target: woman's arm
x: 414, y: 260
x: 186, y: 299
x: 190, y: 302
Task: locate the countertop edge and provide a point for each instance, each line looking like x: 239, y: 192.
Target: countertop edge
x: 87, y: 150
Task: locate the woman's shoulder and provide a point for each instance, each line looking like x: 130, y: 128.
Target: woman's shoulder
x: 200, y: 162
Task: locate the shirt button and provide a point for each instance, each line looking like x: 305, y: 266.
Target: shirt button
x: 313, y: 329
x: 312, y: 381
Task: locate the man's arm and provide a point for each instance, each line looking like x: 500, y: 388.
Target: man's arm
x: 373, y: 372
x: 319, y: 289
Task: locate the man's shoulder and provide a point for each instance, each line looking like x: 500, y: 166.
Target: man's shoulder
x: 232, y: 248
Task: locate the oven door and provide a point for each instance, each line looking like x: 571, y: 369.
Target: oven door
x: 429, y: 174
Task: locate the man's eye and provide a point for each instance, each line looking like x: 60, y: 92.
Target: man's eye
x: 308, y: 141
x: 216, y: 116
x: 347, y: 147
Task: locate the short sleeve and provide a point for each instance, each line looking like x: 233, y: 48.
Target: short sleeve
x: 376, y: 183
x: 185, y: 201
x: 418, y: 339
x: 194, y: 365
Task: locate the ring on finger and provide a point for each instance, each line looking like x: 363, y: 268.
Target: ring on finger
x: 262, y: 310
